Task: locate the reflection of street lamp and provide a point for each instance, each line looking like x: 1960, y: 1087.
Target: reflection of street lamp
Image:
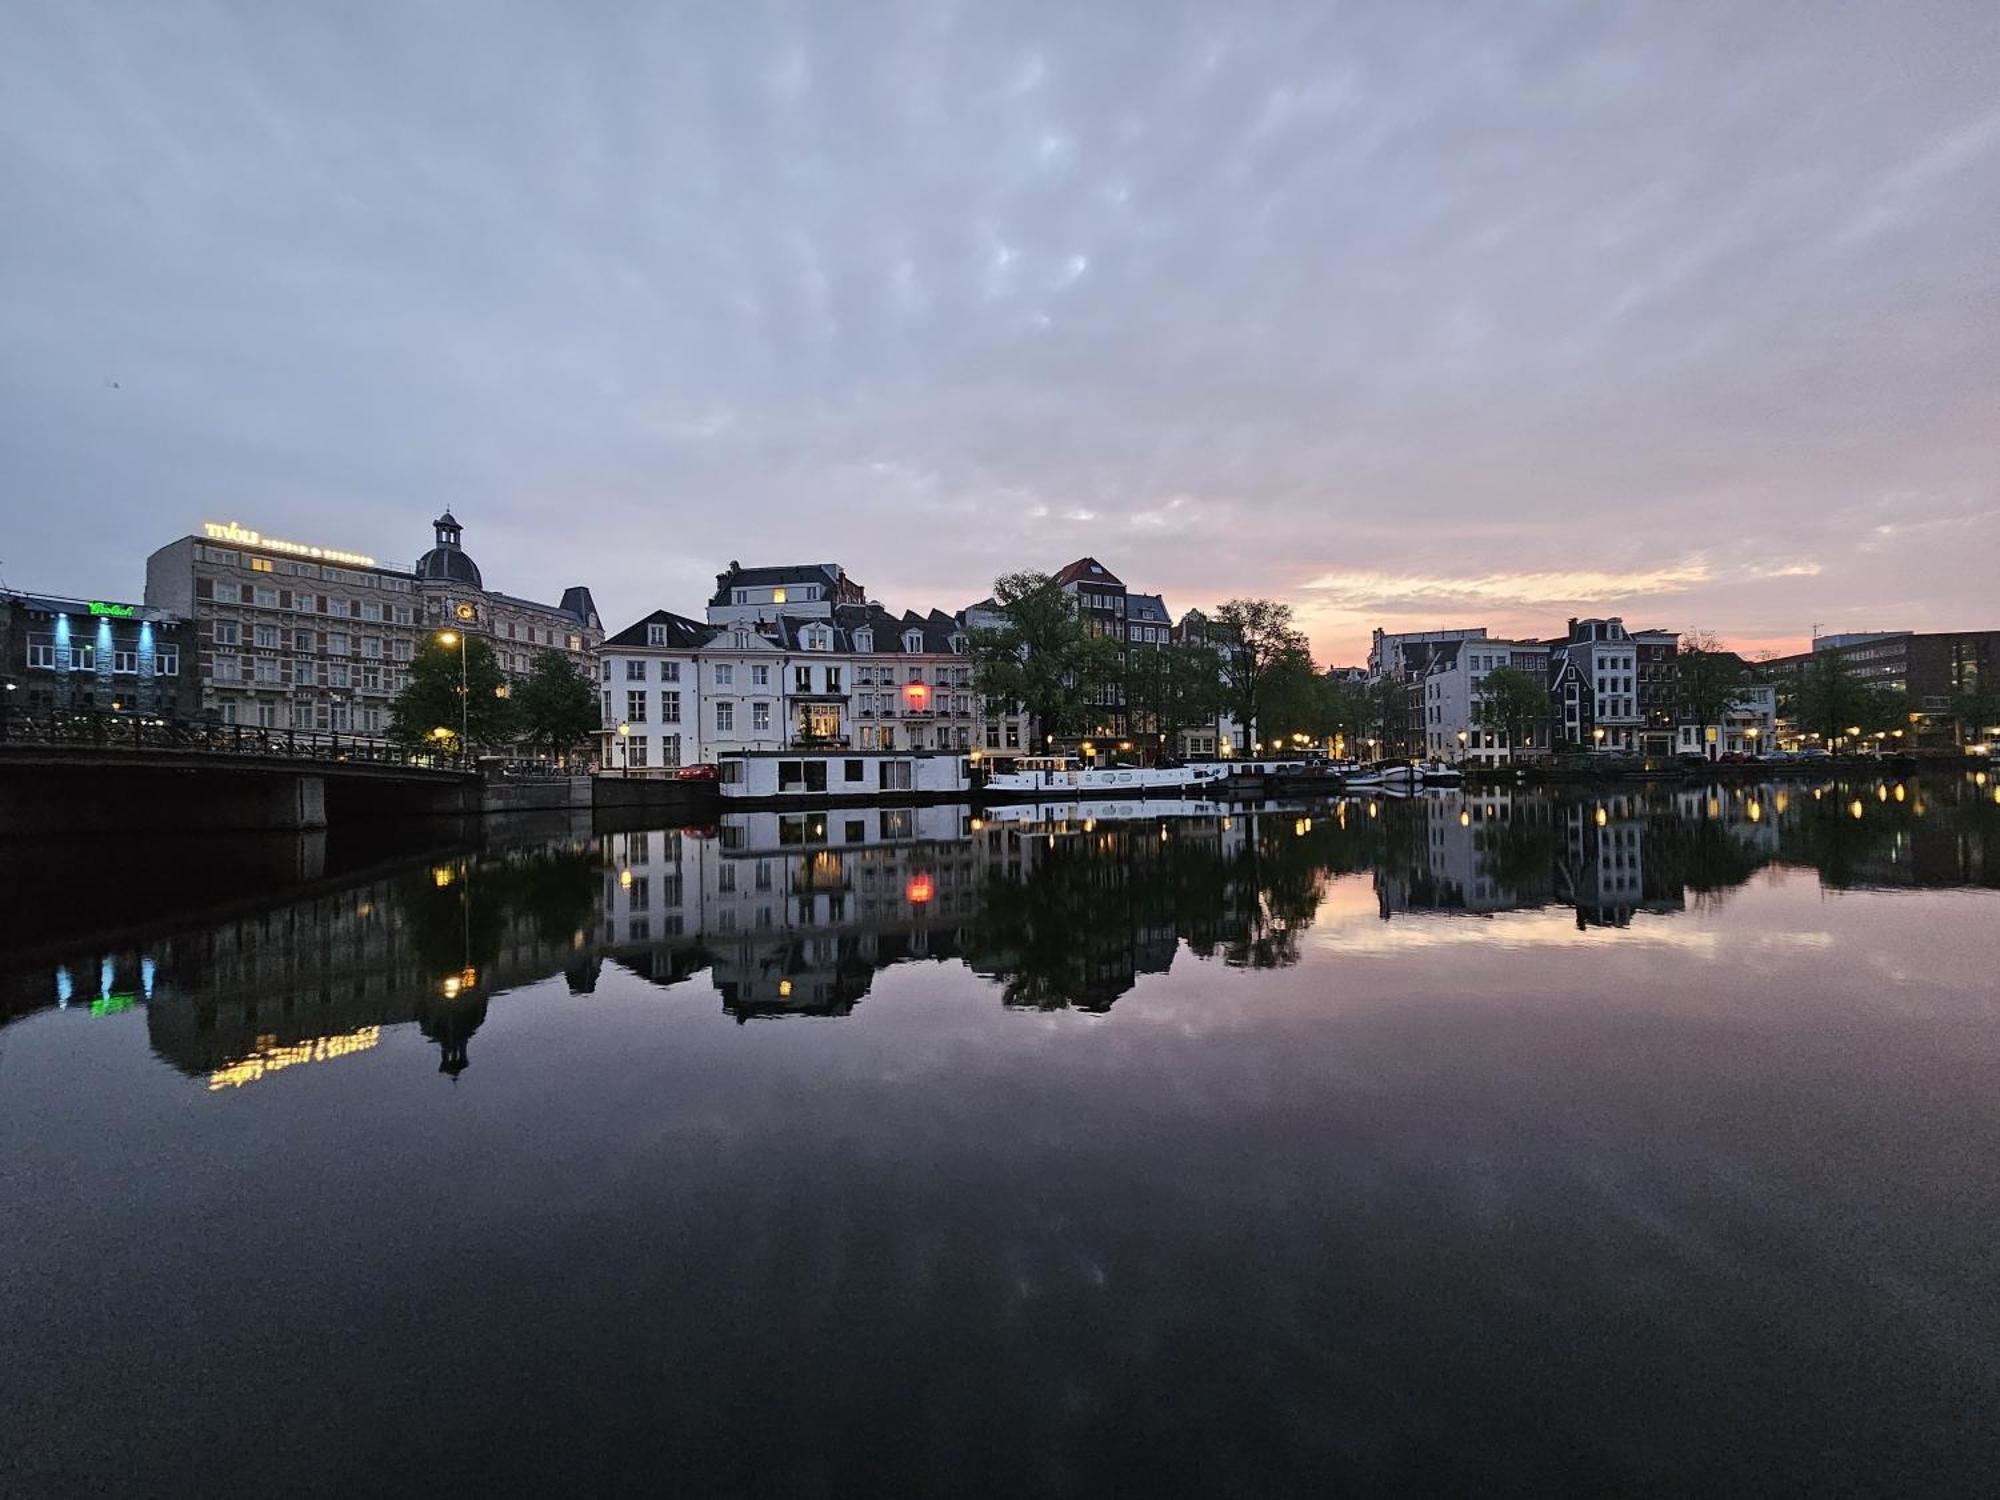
x: 1597, y: 734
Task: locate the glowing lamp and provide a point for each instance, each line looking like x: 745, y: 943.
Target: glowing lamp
x: 919, y: 890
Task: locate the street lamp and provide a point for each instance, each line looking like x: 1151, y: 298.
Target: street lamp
x: 448, y: 639
x: 624, y: 749
x: 1597, y: 734
x: 1461, y: 744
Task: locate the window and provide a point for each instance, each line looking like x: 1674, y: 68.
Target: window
x: 336, y: 644
x: 670, y: 750
x: 656, y: 635
x: 833, y: 679
x: 635, y: 749
x: 670, y: 708
x: 266, y: 637
x: 42, y: 654
x: 635, y: 671
x: 125, y: 661
x: 228, y: 633
x: 267, y: 598
x: 760, y: 716
x: 336, y: 675
x: 402, y: 650
x: 895, y: 775
x: 802, y: 679
x: 635, y: 707
x: 670, y: 671
x: 267, y: 671
x: 855, y: 769
x: 260, y: 564
x: 801, y: 775
x: 166, y: 661
x: 777, y: 596
x: 725, y: 675
x: 760, y: 676
x: 725, y: 718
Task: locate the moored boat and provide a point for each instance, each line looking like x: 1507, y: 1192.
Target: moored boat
x: 1058, y: 776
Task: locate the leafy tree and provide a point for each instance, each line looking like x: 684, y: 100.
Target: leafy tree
x: 556, y: 709
x: 1258, y: 635
x: 1294, y: 699
x: 1177, y: 686
x: 1708, y: 681
x: 429, y: 701
x: 1830, y: 702
x: 1513, y: 702
x: 1043, y: 658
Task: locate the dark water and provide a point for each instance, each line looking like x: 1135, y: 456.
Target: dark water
x: 1637, y: 1142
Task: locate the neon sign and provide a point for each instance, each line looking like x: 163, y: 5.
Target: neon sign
x: 111, y: 1005
x: 243, y: 536
x: 115, y: 611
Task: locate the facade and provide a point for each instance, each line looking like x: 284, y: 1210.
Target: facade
x: 1451, y: 693
x: 1594, y: 679
x: 287, y: 636
x: 291, y: 636
x: 677, y: 691
x: 95, y: 655
x: 1101, y: 602
x: 1402, y: 659
x: 454, y: 597
x: 1751, y: 727
x: 862, y: 774
x: 1659, y: 706
x: 1932, y: 669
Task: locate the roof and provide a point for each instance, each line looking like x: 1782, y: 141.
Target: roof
x: 448, y: 565
x: 1148, y: 609
x: 1088, y: 570
x: 682, y: 632
x: 737, y: 576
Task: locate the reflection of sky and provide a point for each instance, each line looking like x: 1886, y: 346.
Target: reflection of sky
x: 1391, y: 1202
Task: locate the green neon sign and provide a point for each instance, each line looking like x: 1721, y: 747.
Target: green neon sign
x: 110, y: 1005
x: 115, y: 611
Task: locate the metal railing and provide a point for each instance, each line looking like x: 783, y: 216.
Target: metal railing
x: 91, y: 730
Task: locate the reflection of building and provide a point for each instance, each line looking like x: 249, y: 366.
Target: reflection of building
x: 94, y: 654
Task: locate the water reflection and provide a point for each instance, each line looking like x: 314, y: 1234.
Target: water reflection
x: 1063, y: 908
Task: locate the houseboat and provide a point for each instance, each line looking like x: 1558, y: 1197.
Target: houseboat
x: 1062, y: 776
x: 780, y: 777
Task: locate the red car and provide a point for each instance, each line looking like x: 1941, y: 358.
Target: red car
x: 700, y: 773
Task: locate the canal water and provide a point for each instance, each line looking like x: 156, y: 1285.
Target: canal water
x: 1638, y: 1140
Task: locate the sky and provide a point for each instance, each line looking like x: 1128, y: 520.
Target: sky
x: 1410, y: 315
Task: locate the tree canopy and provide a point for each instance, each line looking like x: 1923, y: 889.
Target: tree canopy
x: 1044, y: 658
x: 1830, y: 703
x: 1173, y: 687
x: 1708, y: 681
x: 556, y: 709
x: 1514, y: 703
x: 429, y: 701
x: 1259, y: 635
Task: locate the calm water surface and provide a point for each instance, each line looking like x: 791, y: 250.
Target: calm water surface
x: 1640, y: 1141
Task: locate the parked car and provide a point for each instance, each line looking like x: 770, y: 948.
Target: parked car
x: 701, y: 772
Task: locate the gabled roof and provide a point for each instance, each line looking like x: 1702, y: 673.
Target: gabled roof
x: 1088, y: 570
x: 682, y: 633
x: 1147, y: 609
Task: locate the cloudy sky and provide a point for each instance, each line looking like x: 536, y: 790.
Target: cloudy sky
x: 1409, y: 314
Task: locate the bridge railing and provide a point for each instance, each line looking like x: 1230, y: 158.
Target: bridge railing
x: 89, y: 730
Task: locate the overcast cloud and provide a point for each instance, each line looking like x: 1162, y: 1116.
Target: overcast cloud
x: 1409, y: 314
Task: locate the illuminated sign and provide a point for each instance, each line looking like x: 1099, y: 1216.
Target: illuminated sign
x: 242, y: 536
x: 115, y: 611
x: 271, y: 1058
x: 110, y: 1005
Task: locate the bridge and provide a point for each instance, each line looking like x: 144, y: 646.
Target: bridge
x: 65, y: 772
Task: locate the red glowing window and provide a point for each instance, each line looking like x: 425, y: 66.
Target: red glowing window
x: 918, y: 891
x: 916, y: 692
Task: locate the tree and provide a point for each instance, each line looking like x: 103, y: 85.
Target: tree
x: 1177, y: 686
x: 429, y: 701
x: 1043, y: 658
x: 1708, y: 681
x: 1294, y: 700
x: 556, y: 709
x: 1257, y: 635
x: 1513, y: 702
x: 1977, y: 710
x: 1830, y: 703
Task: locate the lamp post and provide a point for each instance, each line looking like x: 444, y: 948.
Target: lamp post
x: 1597, y: 735
x: 1462, y: 737
x: 458, y: 638
x: 624, y: 749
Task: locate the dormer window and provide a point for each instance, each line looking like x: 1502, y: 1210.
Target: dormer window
x: 741, y: 638
x: 864, y: 640
x: 958, y: 644
x: 656, y: 635
x: 913, y: 641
